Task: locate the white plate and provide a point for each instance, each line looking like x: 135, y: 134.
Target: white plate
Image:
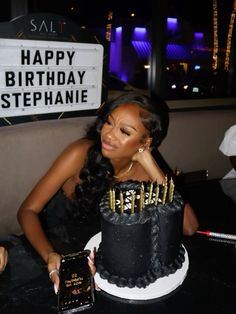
x: 157, y: 289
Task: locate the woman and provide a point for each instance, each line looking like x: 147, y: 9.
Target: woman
x: 118, y: 147
x: 3, y: 258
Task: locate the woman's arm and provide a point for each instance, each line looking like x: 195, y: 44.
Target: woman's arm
x: 66, y: 166
x: 3, y: 258
x: 150, y: 165
x: 145, y: 158
x: 190, y: 223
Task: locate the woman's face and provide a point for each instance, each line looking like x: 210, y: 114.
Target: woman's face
x: 123, y: 133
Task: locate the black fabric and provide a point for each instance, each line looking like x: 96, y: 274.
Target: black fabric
x: 64, y: 228
x: 26, y: 270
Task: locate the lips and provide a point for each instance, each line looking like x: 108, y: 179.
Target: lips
x: 107, y: 145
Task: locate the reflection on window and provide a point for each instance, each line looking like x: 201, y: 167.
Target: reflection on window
x: 200, y: 56
x: 200, y: 37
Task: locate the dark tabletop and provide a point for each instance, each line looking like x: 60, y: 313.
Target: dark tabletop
x: 210, y: 284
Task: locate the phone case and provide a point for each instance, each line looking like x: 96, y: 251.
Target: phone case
x: 76, y: 291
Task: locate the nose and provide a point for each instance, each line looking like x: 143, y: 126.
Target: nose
x: 111, y: 134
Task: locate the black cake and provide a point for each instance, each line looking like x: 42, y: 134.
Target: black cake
x: 141, y: 228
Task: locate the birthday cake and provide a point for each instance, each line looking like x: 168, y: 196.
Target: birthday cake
x: 141, y: 233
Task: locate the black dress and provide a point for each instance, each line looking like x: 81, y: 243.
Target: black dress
x: 25, y: 279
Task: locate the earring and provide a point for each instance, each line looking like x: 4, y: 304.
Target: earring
x: 140, y: 150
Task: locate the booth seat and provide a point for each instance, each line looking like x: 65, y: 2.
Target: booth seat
x: 27, y: 150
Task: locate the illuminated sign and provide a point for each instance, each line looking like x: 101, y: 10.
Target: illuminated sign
x: 47, y: 76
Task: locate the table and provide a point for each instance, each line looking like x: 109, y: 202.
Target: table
x: 210, y: 285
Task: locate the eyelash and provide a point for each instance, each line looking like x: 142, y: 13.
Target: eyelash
x: 122, y: 130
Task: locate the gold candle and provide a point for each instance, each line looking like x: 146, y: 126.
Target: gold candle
x: 150, y: 193
x: 132, y: 201
x: 113, y: 200
x: 171, y: 190
x: 156, y: 194
x: 121, y: 203
x: 110, y: 199
x: 141, y: 200
x: 164, y: 191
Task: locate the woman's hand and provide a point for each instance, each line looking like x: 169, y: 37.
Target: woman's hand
x: 147, y: 161
x: 91, y: 259
x: 54, y: 263
x: 91, y: 263
x: 3, y: 258
x: 142, y: 154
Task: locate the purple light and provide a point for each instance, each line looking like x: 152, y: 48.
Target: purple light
x: 143, y: 48
x: 141, y: 43
x: 118, y: 31
x: 124, y: 77
x: 172, y: 24
x: 115, y: 52
x: 198, y: 40
x: 178, y: 52
x: 140, y: 33
x: 198, y: 36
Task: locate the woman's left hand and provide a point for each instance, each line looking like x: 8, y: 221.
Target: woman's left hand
x: 91, y: 262
x: 54, y: 262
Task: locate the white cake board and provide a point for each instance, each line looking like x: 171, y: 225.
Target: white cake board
x: 157, y: 289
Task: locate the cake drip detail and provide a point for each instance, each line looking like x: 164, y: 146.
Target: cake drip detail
x: 141, y: 241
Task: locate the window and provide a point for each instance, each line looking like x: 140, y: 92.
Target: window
x: 199, y: 47
x: 183, y: 50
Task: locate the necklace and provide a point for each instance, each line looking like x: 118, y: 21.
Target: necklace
x: 127, y: 171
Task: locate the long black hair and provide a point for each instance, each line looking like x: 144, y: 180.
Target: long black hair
x: 97, y: 174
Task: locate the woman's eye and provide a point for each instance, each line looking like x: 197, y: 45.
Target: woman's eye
x: 108, y: 122
x: 123, y: 131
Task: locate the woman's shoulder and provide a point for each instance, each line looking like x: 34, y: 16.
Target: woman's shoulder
x: 78, y: 148
x: 73, y: 157
x: 80, y: 144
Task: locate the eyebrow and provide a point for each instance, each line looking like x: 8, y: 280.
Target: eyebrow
x: 125, y: 124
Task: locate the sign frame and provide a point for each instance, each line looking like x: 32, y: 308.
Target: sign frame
x: 43, y: 77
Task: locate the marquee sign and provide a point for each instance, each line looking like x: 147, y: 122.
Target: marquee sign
x: 47, y: 76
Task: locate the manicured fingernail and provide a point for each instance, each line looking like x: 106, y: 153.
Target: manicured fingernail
x: 55, y: 289
x: 90, y: 260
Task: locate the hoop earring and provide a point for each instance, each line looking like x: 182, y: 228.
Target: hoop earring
x: 140, y: 150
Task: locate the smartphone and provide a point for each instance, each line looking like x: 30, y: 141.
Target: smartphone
x: 76, y: 290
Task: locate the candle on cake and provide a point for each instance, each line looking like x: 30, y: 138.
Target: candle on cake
x: 150, y: 192
x: 157, y: 189
x: 165, y: 188
x: 141, y: 200
x: 171, y: 190
x: 121, y: 203
x: 132, y: 201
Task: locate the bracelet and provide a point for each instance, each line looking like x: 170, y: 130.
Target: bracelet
x: 54, y: 270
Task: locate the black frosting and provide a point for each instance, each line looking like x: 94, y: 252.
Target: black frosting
x: 138, y: 248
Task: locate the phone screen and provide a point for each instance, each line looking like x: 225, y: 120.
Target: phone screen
x: 76, y: 291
